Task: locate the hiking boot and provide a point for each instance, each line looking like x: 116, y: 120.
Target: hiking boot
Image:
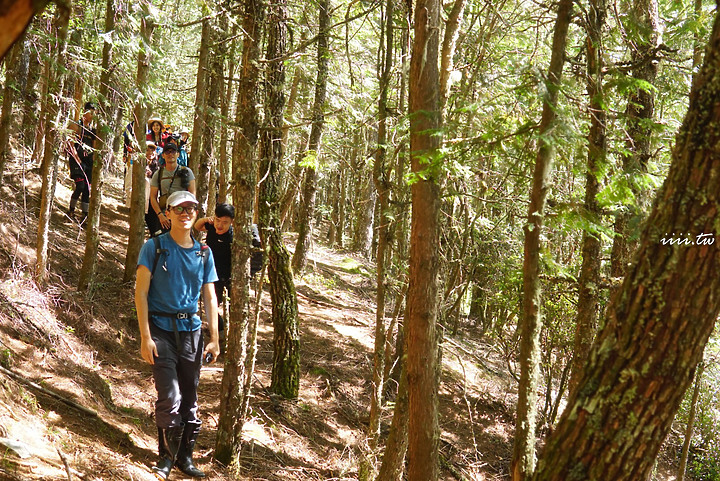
x: 184, y: 456
x: 71, y: 208
x: 168, y: 444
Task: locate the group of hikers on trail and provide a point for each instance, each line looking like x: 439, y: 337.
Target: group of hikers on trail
x: 173, y: 271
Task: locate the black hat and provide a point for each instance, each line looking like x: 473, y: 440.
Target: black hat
x: 89, y: 106
x: 169, y: 146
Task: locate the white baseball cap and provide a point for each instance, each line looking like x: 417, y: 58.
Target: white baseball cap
x: 177, y: 198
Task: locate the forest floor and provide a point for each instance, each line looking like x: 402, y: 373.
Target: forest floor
x: 84, y: 347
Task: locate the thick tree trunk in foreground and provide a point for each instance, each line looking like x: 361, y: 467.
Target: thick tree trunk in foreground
x: 247, y: 117
x: 285, y: 377
x: 421, y: 327
x: 137, y: 203
x: 589, y: 281
x: 523, y: 461
x: 690, y: 424
x: 16, y: 16
x: 50, y: 158
x: 102, y: 151
x: 200, y: 96
x: 657, y: 325
x: 307, y: 214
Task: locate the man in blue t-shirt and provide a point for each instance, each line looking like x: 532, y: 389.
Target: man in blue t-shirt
x: 173, y: 270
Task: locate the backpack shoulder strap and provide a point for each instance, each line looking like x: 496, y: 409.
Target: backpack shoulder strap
x: 160, y: 173
x: 158, y: 252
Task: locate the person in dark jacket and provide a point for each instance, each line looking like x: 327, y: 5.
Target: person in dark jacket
x: 80, y: 160
x: 219, y: 238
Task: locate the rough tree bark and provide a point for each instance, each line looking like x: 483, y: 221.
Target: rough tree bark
x: 659, y: 322
x: 247, y: 117
x: 589, y: 281
x: 137, y: 204
x: 307, y: 214
x: 421, y: 330
x: 103, y: 151
x: 393, y: 460
x: 523, y: 461
x: 51, y: 151
x: 200, y: 95
x: 285, y: 376
x: 690, y: 424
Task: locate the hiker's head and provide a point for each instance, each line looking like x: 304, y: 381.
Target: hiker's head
x: 155, y: 125
x: 224, y: 215
x: 182, y: 208
x: 184, y: 134
x: 150, y: 151
x: 170, y: 153
x: 89, y: 111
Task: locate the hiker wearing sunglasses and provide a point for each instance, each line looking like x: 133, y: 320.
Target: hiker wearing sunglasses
x: 173, y: 270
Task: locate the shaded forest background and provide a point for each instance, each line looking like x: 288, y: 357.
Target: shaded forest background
x: 345, y: 177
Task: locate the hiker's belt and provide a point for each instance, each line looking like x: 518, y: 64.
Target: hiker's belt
x: 174, y: 315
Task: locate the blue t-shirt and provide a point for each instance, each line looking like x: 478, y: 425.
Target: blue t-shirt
x: 177, y: 283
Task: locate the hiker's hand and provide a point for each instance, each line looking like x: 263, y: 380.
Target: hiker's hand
x: 214, y: 349
x: 210, y: 220
x: 164, y: 220
x: 148, y: 350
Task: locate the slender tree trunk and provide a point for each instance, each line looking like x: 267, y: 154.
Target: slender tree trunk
x: 31, y: 104
x: 200, y: 96
x: 223, y: 162
x: 523, y: 461
x: 690, y: 423
x: 640, y: 112
x: 137, y: 203
x: 342, y: 210
x: 452, y: 31
x: 307, y: 214
x: 103, y: 151
x: 588, y: 284
x: 381, y: 179
x: 205, y: 172
x: 285, y: 376
x: 659, y: 322
x: 39, y: 150
x: 393, y: 461
x: 50, y: 158
x: 421, y: 330
x: 247, y: 116
x: 11, y: 85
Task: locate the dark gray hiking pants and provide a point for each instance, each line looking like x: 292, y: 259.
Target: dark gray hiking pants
x: 176, y: 376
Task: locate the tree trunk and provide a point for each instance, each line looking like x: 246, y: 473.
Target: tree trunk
x: 640, y: 111
x: 421, y: 330
x: 223, y: 162
x: 247, y: 117
x: 658, y: 324
x: 51, y: 151
x: 393, y: 461
x: 381, y: 179
x: 16, y: 16
x: 31, y: 104
x: 285, y: 377
x: 103, y: 151
x: 690, y: 424
x: 11, y: 85
x: 200, y: 97
x: 307, y: 213
x: 137, y: 203
x: 588, y: 284
x: 523, y: 461
x: 205, y: 173
x: 364, y: 209
x: 452, y: 31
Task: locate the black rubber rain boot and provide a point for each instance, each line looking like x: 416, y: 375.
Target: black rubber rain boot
x: 71, y: 208
x: 184, y: 456
x: 168, y: 444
